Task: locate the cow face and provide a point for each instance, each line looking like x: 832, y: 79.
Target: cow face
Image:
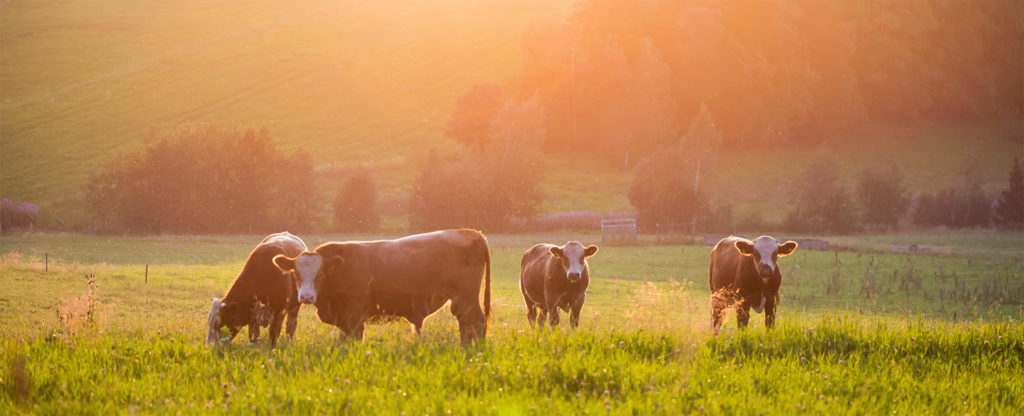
x: 223, y: 314
x: 574, y: 258
x: 765, y: 251
x: 309, y: 271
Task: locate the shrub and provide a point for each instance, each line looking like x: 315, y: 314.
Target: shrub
x: 1010, y: 206
x: 883, y: 197
x: 206, y: 180
x: 492, y: 187
x: 823, y: 205
x: 355, y: 206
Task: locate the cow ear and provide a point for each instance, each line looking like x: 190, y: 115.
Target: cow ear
x: 557, y: 252
x: 745, y: 247
x: 590, y: 251
x: 787, y: 248
x: 284, y: 262
x: 333, y: 263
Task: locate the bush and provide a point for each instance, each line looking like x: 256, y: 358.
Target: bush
x: 955, y: 207
x: 883, y: 197
x: 494, y: 185
x: 17, y: 214
x: 206, y: 180
x: 472, y: 192
x: 663, y: 183
x: 355, y: 206
x: 1010, y: 206
x: 823, y: 205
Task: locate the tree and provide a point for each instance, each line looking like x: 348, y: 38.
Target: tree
x: 883, y: 197
x: 1010, y: 207
x: 355, y: 206
x: 823, y: 205
x: 206, y: 180
x: 474, y: 110
x: 490, y: 188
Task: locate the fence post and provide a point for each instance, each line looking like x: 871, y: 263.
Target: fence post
x: 147, y: 274
x: 46, y: 266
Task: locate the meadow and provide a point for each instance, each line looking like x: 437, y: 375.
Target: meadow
x: 860, y: 330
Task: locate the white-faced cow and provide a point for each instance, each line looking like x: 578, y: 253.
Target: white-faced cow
x: 553, y: 277
x: 260, y: 295
x: 410, y: 277
x: 746, y: 274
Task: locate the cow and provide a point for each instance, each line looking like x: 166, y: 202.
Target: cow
x: 260, y: 295
x: 745, y: 274
x: 410, y: 277
x: 553, y: 277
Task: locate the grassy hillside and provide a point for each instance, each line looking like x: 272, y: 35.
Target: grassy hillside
x: 368, y: 82
x: 354, y: 82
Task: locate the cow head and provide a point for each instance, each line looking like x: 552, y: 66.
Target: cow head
x: 309, y: 270
x: 223, y: 314
x: 574, y: 258
x: 765, y: 251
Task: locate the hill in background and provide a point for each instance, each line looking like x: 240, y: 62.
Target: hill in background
x: 353, y: 83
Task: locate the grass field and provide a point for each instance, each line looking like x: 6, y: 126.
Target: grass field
x: 860, y: 331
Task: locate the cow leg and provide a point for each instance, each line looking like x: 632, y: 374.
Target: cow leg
x: 769, y: 312
x: 742, y: 315
x: 716, y: 316
x: 553, y: 315
x: 293, y: 320
x: 275, y: 327
x: 254, y: 331
x: 574, y: 313
x: 531, y: 312
x: 472, y: 321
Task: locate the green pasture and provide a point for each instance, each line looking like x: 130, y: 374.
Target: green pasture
x: 859, y: 331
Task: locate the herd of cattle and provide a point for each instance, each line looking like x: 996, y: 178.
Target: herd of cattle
x: 414, y: 276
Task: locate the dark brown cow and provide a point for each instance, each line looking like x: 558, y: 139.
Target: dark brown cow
x: 410, y: 277
x: 745, y: 274
x: 553, y: 277
x: 260, y: 294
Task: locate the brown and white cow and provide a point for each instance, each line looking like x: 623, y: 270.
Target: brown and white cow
x: 745, y: 274
x: 553, y: 277
x: 410, y: 277
x: 260, y: 295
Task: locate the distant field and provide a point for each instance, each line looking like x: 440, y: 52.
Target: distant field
x: 850, y: 338
x: 356, y: 83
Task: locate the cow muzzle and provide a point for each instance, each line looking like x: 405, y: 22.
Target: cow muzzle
x: 307, y: 299
x: 573, y: 277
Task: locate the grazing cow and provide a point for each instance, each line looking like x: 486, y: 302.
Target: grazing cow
x: 553, y: 277
x: 410, y: 277
x: 260, y: 295
x: 746, y: 274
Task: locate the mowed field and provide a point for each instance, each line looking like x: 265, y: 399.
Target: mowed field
x: 860, y: 331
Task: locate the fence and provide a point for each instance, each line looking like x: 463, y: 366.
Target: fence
x: 621, y: 229
x: 667, y: 230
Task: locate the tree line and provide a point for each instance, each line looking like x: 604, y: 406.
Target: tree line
x: 216, y: 180
x: 624, y: 79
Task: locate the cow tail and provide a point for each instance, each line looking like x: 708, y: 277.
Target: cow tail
x: 487, y: 287
x: 482, y: 242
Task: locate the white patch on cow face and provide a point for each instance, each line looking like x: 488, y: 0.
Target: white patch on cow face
x: 307, y: 267
x: 765, y: 248
x: 214, y: 322
x: 574, y: 260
